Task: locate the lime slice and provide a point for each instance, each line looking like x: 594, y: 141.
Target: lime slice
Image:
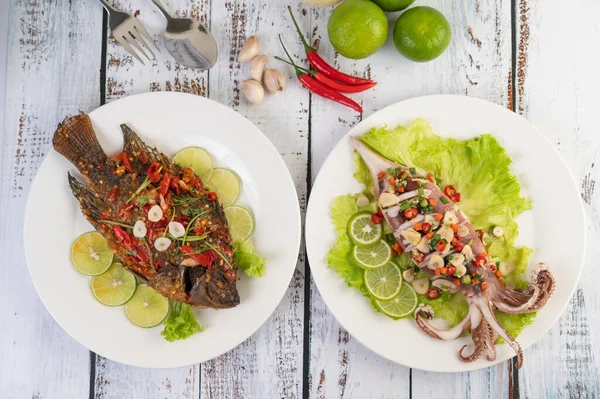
x: 226, y: 184
x: 373, y: 257
x: 196, y: 159
x: 401, y: 306
x: 385, y: 282
x: 241, y: 224
x: 90, y: 254
x: 114, y: 287
x: 147, y: 308
x: 363, y: 231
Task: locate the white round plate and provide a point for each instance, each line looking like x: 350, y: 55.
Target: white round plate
x: 545, y: 179
x: 171, y: 121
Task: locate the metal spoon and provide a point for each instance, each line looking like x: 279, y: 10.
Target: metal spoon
x: 188, y: 41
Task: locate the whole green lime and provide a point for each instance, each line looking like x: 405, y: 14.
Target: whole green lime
x: 357, y: 28
x: 422, y: 34
x: 393, y: 5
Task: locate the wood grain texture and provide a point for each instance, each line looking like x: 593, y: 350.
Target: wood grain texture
x: 126, y: 76
x: 268, y: 364
x: 559, y: 95
x: 48, y: 77
x: 476, y: 64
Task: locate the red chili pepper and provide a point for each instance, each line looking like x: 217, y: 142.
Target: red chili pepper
x: 143, y: 158
x: 455, y: 241
x: 480, y: 261
x: 165, y: 183
x: 319, y: 63
x: 124, y: 237
x: 426, y: 227
x: 153, y: 173
x: 124, y: 210
x: 397, y: 247
x: 320, y: 89
x: 479, y: 233
x: 459, y: 247
x: 410, y: 213
x: 213, y: 196
x: 455, y: 197
x: 433, y: 293
x: 418, y: 258
x: 493, y: 268
x: 451, y: 270
x: 449, y: 190
x: 205, y: 259
x: 113, y: 195
x: 381, y: 175
x: 122, y: 156
x: 440, y: 246
x: 376, y: 219
x: 379, y: 213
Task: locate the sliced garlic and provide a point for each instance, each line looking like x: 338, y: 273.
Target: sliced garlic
x: 461, y: 270
x: 250, y: 49
x: 162, y: 244
x: 393, y: 211
x: 362, y: 200
x: 257, y: 67
x: 421, y: 285
x: 435, y: 262
x: 388, y: 199
x: 176, y: 229
x: 411, y: 235
x: 450, y: 218
x: 423, y: 245
x: 139, y: 229
x: 408, y: 275
x: 467, y: 252
x: 442, y: 284
x: 463, y: 231
x: 457, y: 259
x: 155, y: 213
x: 506, y: 267
x: 498, y: 231
x: 446, y: 233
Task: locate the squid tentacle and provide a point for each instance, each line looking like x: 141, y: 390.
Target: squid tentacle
x: 425, y: 313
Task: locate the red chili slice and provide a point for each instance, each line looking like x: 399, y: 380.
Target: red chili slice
x: 418, y: 258
x: 122, y: 156
x: 451, y: 270
x: 410, y: 213
x: 165, y: 183
x: 376, y: 219
x: 449, y: 190
x: 433, y: 293
x: 455, y: 197
x: 113, y: 195
x: 153, y: 173
x: 213, y: 196
x: 440, y: 246
x: 480, y: 261
x: 426, y: 227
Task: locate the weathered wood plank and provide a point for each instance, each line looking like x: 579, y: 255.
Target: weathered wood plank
x: 53, y: 70
x: 126, y: 76
x: 268, y: 364
x: 559, y: 95
x: 477, y: 64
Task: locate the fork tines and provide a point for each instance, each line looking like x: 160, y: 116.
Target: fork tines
x: 132, y: 34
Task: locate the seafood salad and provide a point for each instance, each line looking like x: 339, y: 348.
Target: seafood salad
x: 420, y: 253
x: 161, y: 222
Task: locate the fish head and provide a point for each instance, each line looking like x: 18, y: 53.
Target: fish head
x: 211, y: 288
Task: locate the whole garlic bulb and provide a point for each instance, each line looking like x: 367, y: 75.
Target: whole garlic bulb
x: 274, y: 81
x: 253, y: 91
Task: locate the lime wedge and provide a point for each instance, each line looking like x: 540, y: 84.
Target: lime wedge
x: 401, y: 306
x: 385, y: 282
x: 241, y: 224
x: 114, y: 287
x: 363, y: 231
x: 90, y: 254
x: 147, y: 308
x: 373, y: 257
x: 226, y: 184
x: 196, y: 159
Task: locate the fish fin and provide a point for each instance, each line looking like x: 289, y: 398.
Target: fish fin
x: 87, y: 200
x: 132, y: 143
x: 76, y: 140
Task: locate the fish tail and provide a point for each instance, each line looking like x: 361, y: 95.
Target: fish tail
x: 133, y: 144
x: 87, y: 200
x: 375, y: 163
x: 76, y: 140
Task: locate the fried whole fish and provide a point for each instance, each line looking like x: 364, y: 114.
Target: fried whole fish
x: 159, y: 219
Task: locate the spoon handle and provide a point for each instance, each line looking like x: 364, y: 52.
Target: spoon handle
x: 162, y: 9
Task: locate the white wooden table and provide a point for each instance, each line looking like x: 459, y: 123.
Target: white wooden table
x: 539, y: 58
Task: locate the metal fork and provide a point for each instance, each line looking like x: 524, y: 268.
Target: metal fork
x: 128, y: 31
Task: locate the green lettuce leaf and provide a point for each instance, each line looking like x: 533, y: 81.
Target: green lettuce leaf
x: 181, y: 323
x: 247, y: 259
x: 479, y: 169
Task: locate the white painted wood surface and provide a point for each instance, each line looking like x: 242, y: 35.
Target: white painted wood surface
x: 55, y: 67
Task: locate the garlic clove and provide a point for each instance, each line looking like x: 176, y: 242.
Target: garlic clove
x: 253, y: 91
x: 250, y: 50
x: 155, y: 213
x: 257, y: 67
x: 463, y: 231
x: 435, y: 262
x: 362, y: 200
x: 498, y: 231
x: 423, y: 245
x: 388, y: 199
x: 139, y: 229
x: 274, y: 81
x: 162, y: 244
x: 176, y: 229
x: 408, y: 275
x: 421, y: 285
x: 442, y: 284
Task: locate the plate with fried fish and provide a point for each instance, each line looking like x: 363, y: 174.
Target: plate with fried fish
x: 162, y: 230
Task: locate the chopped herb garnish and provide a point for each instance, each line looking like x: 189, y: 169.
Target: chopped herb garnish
x: 142, y: 200
x: 149, y: 252
x: 127, y: 226
x: 424, y: 203
x: 421, y: 191
x: 398, y: 171
x: 390, y: 171
x: 218, y: 253
x: 444, y: 199
x: 192, y: 238
x: 413, y: 171
x: 436, y: 236
x: 142, y: 186
x: 470, y: 242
